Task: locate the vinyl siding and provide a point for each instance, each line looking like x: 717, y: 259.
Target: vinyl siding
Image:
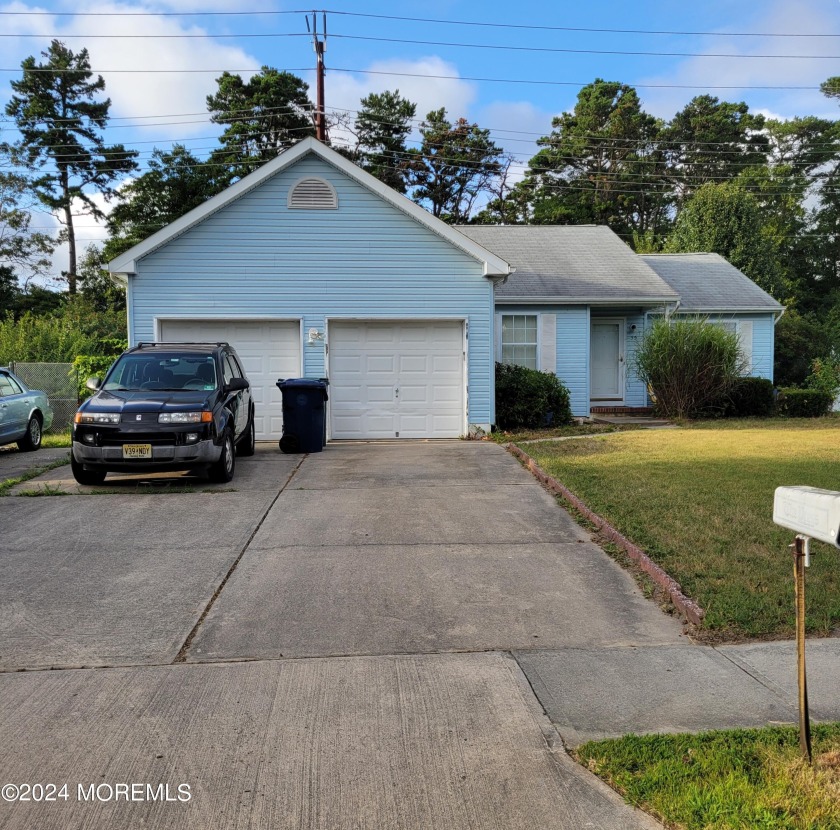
x: 368, y: 260
x: 572, y: 344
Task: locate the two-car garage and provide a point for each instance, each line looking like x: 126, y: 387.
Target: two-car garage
x: 388, y: 378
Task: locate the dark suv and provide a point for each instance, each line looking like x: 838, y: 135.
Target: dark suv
x: 165, y: 406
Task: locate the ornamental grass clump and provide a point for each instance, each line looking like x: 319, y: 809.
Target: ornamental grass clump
x: 689, y: 366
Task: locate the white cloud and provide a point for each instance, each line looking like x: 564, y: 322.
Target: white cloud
x: 805, y: 16
x: 136, y: 93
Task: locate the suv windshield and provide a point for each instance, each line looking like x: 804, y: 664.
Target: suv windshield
x: 162, y: 371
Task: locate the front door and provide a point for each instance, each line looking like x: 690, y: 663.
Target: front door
x: 607, y: 361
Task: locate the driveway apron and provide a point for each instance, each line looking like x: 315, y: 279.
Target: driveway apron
x: 321, y: 646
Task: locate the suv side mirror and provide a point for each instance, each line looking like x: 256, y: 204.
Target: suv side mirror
x: 93, y: 383
x: 237, y: 385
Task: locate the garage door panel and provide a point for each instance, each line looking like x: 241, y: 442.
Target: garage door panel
x: 396, y: 379
x: 268, y: 350
x: 380, y: 364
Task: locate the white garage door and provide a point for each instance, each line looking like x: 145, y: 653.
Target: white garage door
x: 397, y: 379
x: 268, y: 350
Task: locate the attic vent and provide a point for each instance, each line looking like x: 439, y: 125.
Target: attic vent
x: 313, y: 194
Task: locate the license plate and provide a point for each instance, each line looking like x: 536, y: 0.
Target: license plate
x: 137, y: 450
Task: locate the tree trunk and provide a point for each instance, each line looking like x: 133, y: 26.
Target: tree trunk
x: 71, y: 232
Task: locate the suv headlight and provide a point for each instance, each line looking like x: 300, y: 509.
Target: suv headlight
x: 97, y: 418
x: 184, y: 417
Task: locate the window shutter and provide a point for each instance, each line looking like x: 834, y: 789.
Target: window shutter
x: 548, y: 343
x: 745, y: 342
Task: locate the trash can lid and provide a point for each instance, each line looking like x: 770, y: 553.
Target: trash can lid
x: 303, y: 383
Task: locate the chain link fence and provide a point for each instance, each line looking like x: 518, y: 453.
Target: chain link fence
x: 61, y: 383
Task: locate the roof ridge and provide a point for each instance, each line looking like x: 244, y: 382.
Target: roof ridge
x: 686, y: 253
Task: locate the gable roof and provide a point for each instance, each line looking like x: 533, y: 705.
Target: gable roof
x: 708, y: 282
x: 570, y: 264
x: 126, y: 263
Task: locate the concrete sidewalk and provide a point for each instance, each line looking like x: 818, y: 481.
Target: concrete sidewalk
x: 596, y: 693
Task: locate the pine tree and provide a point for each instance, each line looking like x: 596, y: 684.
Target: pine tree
x: 60, y: 122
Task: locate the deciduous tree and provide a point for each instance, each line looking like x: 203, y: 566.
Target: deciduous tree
x: 725, y: 219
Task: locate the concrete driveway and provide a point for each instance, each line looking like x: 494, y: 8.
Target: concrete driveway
x: 326, y: 643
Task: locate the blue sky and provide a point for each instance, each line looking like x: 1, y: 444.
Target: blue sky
x: 157, y: 108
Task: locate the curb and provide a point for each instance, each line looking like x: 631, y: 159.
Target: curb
x: 686, y: 606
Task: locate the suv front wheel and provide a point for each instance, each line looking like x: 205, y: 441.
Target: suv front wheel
x: 83, y: 476
x: 222, y: 471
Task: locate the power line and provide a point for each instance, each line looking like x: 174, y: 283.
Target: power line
x: 477, y: 23
x: 180, y: 35
x: 457, y: 45
x: 432, y: 76
x: 557, y: 49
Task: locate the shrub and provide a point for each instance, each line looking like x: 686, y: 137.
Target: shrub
x: 825, y: 375
x: 88, y: 366
x: 751, y: 397
x: 690, y: 366
x: 804, y: 403
x: 526, y: 398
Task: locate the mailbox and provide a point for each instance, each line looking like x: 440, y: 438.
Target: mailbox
x: 809, y: 511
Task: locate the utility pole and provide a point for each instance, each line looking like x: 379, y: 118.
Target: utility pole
x: 319, y: 44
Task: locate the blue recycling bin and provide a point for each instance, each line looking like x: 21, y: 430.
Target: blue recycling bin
x: 304, y: 414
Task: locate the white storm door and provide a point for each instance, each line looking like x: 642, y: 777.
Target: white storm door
x: 396, y: 379
x: 269, y: 350
x: 607, y: 361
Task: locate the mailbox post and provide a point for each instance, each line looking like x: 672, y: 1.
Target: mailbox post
x: 812, y: 514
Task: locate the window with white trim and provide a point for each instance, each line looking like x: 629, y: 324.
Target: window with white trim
x: 519, y: 340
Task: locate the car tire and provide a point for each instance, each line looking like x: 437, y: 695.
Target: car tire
x: 248, y: 443
x: 32, y: 440
x: 222, y: 471
x: 83, y: 476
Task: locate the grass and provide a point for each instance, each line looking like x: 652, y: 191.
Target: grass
x: 700, y: 502
x: 749, y: 779
x: 56, y: 439
x: 568, y: 431
x: 44, y: 490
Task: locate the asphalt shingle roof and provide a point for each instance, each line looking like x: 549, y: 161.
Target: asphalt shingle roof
x: 708, y: 282
x: 567, y: 263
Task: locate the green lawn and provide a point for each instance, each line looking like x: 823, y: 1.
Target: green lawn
x: 700, y: 502
x: 748, y: 779
x: 568, y: 431
x: 55, y: 439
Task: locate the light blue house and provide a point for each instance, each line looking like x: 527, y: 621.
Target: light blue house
x: 311, y: 267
